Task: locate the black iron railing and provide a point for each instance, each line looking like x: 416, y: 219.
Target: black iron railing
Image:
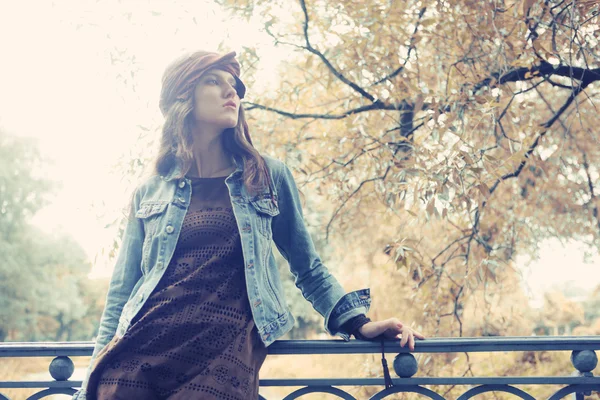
x: 578, y: 385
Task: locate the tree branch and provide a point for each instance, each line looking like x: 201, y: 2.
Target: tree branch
x: 410, y: 49
x: 586, y: 76
x: 517, y: 171
x: 325, y: 61
x: 379, y: 105
x: 336, y: 212
x: 574, y: 94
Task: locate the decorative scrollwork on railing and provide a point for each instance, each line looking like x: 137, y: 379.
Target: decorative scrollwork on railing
x: 495, y: 388
x: 50, y: 392
x: 582, y: 382
x: 319, y: 389
x: 61, y: 368
x: 573, y: 389
x: 407, y: 389
x: 44, y: 393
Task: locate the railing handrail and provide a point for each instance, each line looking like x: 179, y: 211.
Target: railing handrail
x: 426, y: 381
x: 291, y: 347
x: 581, y: 382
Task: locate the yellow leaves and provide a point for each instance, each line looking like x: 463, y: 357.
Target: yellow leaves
x: 401, y: 253
x: 541, y: 50
x: 526, y: 5
x: 587, y: 6
x: 465, y: 156
x: 431, y: 206
x: 523, y: 61
x: 309, y: 61
x: 428, y: 22
x: 484, y: 190
x: 488, y: 102
x: 510, y: 163
x: 418, y: 105
x: 480, y: 99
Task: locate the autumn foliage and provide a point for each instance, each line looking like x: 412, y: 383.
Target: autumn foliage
x: 444, y: 139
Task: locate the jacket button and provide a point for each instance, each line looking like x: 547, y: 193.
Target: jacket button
x: 159, y: 265
x: 251, y: 264
x: 256, y: 303
x: 182, y: 184
x: 169, y: 229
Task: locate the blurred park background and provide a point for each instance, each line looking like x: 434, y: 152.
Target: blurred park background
x: 447, y: 150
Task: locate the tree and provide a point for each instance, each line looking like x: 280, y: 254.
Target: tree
x: 43, y: 278
x: 441, y: 138
x: 470, y: 122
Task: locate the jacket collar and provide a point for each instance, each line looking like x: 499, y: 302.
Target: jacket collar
x: 176, y: 169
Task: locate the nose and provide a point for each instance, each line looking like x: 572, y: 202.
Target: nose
x: 230, y: 90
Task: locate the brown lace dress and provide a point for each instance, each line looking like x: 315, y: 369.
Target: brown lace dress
x: 195, y: 337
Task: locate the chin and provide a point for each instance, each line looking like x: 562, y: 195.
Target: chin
x: 219, y: 123
x: 229, y: 124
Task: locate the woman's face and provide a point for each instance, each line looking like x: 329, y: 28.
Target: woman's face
x: 216, y: 100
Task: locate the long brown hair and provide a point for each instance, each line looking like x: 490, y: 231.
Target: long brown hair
x: 177, y: 105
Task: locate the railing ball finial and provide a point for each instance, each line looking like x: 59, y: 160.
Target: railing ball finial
x: 584, y: 360
x: 61, y: 368
x: 405, y: 365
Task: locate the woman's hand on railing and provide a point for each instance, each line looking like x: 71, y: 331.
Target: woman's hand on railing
x: 391, y: 328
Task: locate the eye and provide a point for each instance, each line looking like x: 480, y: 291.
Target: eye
x: 213, y: 81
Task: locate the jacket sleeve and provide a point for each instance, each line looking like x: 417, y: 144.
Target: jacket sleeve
x: 126, y: 274
x: 313, y: 278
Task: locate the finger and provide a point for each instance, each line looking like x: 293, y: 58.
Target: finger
x: 392, y: 324
x: 419, y: 335
x: 404, y: 338
x: 411, y: 342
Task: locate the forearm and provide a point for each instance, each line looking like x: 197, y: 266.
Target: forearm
x: 352, y: 327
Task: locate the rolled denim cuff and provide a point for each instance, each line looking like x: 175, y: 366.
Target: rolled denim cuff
x: 351, y: 326
x: 349, y: 306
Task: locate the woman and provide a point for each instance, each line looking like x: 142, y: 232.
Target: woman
x: 195, y: 297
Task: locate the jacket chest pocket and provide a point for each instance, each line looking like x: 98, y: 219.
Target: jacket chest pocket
x: 150, y: 213
x: 265, y: 211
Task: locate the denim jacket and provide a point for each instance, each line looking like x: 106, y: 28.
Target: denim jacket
x: 157, y: 211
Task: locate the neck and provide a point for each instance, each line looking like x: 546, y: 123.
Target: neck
x: 210, y: 158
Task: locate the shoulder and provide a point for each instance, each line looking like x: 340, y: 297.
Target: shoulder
x: 278, y: 169
x: 273, y: 163
x: 150, y: 183
x: 150, y: 187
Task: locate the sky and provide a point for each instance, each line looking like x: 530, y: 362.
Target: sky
x: 66, y: 80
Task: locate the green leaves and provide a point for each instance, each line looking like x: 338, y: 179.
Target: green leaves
x: 42, y: 276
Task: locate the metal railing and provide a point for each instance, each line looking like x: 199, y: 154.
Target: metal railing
x: 580, y: 384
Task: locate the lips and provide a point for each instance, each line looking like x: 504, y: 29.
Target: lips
x: 230, y: 104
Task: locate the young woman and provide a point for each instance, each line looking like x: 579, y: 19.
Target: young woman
x: 195, y: 297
